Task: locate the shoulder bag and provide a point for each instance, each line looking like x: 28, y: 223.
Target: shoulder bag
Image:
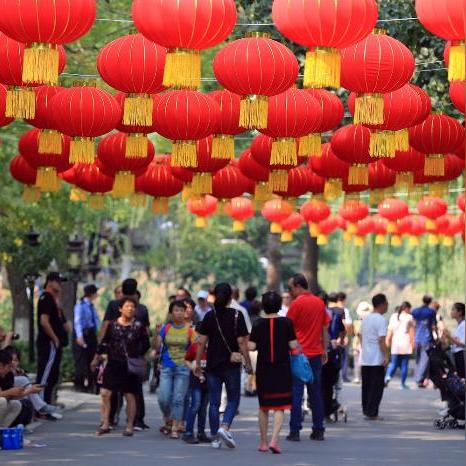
x: 136, y: 366
x: 235, y: 357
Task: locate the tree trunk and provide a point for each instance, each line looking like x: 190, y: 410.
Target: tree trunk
x: 311, y: 262
x: 68, y: 297
x: 274, y: 267
x: 20, y: 301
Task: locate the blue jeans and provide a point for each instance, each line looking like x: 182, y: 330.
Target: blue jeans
x: 174, y: 383
x: 197, y: 407
x: 314, y: 392
x: 422, y: 362
x: 232, y: 380
x: 398, y: 361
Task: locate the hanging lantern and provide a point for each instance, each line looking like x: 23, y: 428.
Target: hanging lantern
x: 91, y: 178
x: 393, y: 210
x: 324, y: 27
x: 405, y: 164
x: 298, y: 184
x: 4, y: 120
x: 258, y: 174
x: 460, y: 201
x: 432, y: 208
x: 363, y: 228
x: 380, y: 225
x: 203, y: 207
x: 275, y: 211
x: 457, y: 92
x: 184, y: 117
x: 24, y: 173
x: 374, y: 66
x: 439, y: 134
x: 315, y: 183
x: 255, y: 68
x: 446, y: 19
x: 240, y: 209
x: 326, y: 228
x: 381, y: 179
x: 353, y: 212
x: 229, y: 183
x: 313, y: 212
x: 292, y: 223
x: 43, y: 25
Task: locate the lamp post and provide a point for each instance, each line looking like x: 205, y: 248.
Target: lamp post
x: 32, y: 240
x: 69, y: 290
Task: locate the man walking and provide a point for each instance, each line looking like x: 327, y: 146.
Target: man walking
x: 374, y: 358
x: 310, y: 319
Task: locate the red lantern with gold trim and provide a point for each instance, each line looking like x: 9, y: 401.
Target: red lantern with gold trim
x: 381, y: 178
x: 257, y: 173
x: 313, y: 212
x: 405, y: 164
x: 331, y: 107
x: 432, y: 208
x: 239, y: 209
x: 291, y: 223
x: 380, y: 229
x: 326, y: 228
x: 363, y: 228
x: 92, y: 179
x: 353, y: 211
x: 23, y: 172
x: 229, y: 182
x: 275, y: 211
x: 203, y: 207
x: 298, y: 184
x: 393, y: 210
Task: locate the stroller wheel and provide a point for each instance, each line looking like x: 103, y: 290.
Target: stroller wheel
x: 453, y: 424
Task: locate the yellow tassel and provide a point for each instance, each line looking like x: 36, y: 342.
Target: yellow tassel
x: 284, y: 152
x: 438, y: 189
x: 50, y: 142
x: 182, y: 69
x: 77, y: 195
x: 358, y: 174
x: 47, y: 179
x: 253, y: 112
x: 433, y: 240
x: 137, y: 110
x: 202, y: 183
x: 311, y: 145
x: 414, y: 241
x: 430, y: 224
x: 402, y: 140
x: 456, y: 66
x: 382, y: 144
x: 415, y: 194
x: 123, y: 185
x: 200, y: 222
x: 138, y: 200
x: 40, y: 64
x: 184, y: 154
x: 352, y: 228
x: 20, y: 103
x: 322, y: 240
x: 262, y: 191
x: 448, y: 241
x: 136, y: 146
x: 404, y: 181
x: 223, y: 146
x: 379, y: 240
x: 369, y: 109
x: 275, y: 228
x: 396, y: 241
x: 359, y: 241
x: 314, y: 230
x: 347, y: 236
x: 376, y: 196
x: 160, y: 206
x: 322, y: 67
x: 333, y: 189
x: 82, y: 150
x: 96, y: 201
x: 238, y: 226
x: 279, y: 180
x: 186, y: 193
x: 31, y: 194
x: 392, y: 227
x: 286, y: 236
x: 434, y: 165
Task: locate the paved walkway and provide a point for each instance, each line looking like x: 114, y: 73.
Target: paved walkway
x: 406, y: 436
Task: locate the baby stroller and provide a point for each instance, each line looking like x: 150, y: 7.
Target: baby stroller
x: 442, y: 374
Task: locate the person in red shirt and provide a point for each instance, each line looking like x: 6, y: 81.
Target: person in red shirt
x: 310, y: 319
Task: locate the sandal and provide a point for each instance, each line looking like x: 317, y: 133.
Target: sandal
x: 263, y: 448
x: 174, y: 434
x: 166, y: 429
x: 127, y: 433
x: 102, y: 431
x: 275, y: 449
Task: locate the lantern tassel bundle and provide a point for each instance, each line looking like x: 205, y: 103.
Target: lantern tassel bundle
x: 322, y: 240
x: 77, y: 195
x: 136, y: 146
x: 278, y: 180
x: 96, y: 201
x: 358, y: 174
x: 253, y: 112
x: 82, y: 150
x: 286, y: 236
x: 284, y: 152
x: 276, y: 228
x: 223, y: 146
x: 333, y: 189
x: 202, y: 183
x: 160, y: 206
x: 368, y: 109
x: 404, y: 181
x: 41, y: 64
x: 123, y: 185
x: 314, y: 230
x: 200, y: 222
x: 379, y: 239
x: 31, y: 194
x: 137, y: 110
x: 456, y: 65
x: 434, y: 165
x: 20, y: 103
x: 47, y: 179
x: 310, y: 145
x: 182, y: 69
x: 238, y: 226
x: 322, y: 67
x: 50, y: 142
x: 382, y: 144
x: 262, y: 191
x: 184, y: 154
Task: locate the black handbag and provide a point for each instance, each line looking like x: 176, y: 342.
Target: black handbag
x: 136, y: 366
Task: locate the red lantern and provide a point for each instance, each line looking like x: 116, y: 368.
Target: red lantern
x: 91, y: 178
x: 298, y: 183
x: 446, y: 19
x: 393, y: 210
x: 439, y: 134
x: 353, y: 211
x: 380, y: 225
x: 405, y: 164
x: 184, y: 27
x: 229, y: 182
x: 313, y: 212
x: 43, y: 24
x: 4, y: 120
x: 351, y: 143
x: 26, y: 174
x: 257, y: 173
x: 111, y: 156
x: 363, y: 228
x: 316, y: 183
x: 460, y: 201
x: 275, y: 211
x: 331, y: 107
x: 432, y: 208
x: 255, y: 68
x: 457, y: 91
x: 239, y: 209
x: 381, y: 178
x: 326, y: 228
x: 202, y: 207
x: 134, y: 65
x: 84, y: 113
x: 372, y: 67
x: 324, y: 27
x: 293, y: 222
x: 186, y: 116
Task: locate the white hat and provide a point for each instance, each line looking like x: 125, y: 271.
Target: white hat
x: 363, y: 309
x: 203, y: 294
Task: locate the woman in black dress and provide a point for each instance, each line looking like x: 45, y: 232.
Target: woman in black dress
x: 273, y: 337
x: 124, y: 337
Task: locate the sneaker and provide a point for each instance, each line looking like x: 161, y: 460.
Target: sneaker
x: 145, y: 426
x: 293, y: 436
x: 216, y: 444
x: 189, y: 438
x: 226, y: 437
x: 357, y: 381
x: 317, y: 435
x: 49, y: 412
x: 203, y: 438
x: 138, y: 428
x: 405, y: 387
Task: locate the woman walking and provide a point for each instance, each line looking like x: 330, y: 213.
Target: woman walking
x: 174, y: 340
x: 400, y: 338
x: 273, y: 337
x: 124, y: 339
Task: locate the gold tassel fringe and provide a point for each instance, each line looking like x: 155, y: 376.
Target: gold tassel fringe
x: 396, y: 241
x: 382, y: 144
x: 414, y: 241
x: 202, y: 183
x: 253, y: 112
x: 137, y: 110
x: 456, y: 65
x: 284, y: 152
x: 358, y: 174
x: 286, y: 236
x: 200, y: 222
x: 278, y: 180
x: 187, y: 192
x: 311, y: 145
x: 136, y: 146
x: 182, y: 69
x: 40, y: 64
x: 31, y: 194
x: 369, y: 109
x: 430, y: 224
x: 402, y: 140
x: 333, y: 189
x: 262, y: 191
x: 314, y: 230
x: 434, y: 165
x: 438, y: 189
x: 359, y: 241
x: 433, y: 240
x: 138, y: 200
x: 160, y: 206
x: 448, y: 241
x: 82, y: 150
x: 77, y: 195
x: 20, y: 103
x: 379, y: 239
x: 322, y: 240
x: 238, y: 225
x: 184, y: 154
x: 347, y: 236
x: 223, y: 146
x: 404, y: 181
x: 47, y: 179
x: 275, y: 228
x: 322, y: 67
x: 50, y: 142
x: 96, y: 201
x: 123, y: 185
x: 376, y: 196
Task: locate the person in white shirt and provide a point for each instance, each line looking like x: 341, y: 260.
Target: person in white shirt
x: 457, y: 339
x: 374, y: 357
x: 202, y: 307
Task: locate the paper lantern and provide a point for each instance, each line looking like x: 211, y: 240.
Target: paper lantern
x: 380, y: 225
x: 405, y: 164
x: 184, y: 27
x: 326, y: 228
x: 353, y: 212
x: 324, y: 27
x: 313, y: 212
x: 298, y: 183
x: 381, y: 178
x: 316, y: 183
x: 186, y: 116
x: 457, y: 91
x: 432, y: 208
x: 332, y: 109
x: 91, y: 178
x: 293, y: 222
x: 275, y: 211
x: 363, y: 228
x: 229, y: 182
x: 203, y: 208
x: 372, y: 67
x: 43, y: 25
x: 24, y: 173
x: 393, y: 210
x: 257, y: 173
x: 239, y: 209
x: 255, y: 68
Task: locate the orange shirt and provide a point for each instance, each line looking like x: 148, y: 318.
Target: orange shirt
x: 309, y: 316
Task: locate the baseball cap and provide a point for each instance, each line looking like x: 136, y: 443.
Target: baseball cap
x: 203, y: 294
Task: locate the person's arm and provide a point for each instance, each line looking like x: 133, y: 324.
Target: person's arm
x: 78, y: 328
x: 411, y: 332
x: 383, y: 348
x: 251, y: 345
x: 45, y: 324
x: 200, y: 349
x: 243, y: 347
x: 12, y: 393
x: 388, y: 338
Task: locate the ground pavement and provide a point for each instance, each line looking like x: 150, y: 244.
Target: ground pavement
x: 406, y: 436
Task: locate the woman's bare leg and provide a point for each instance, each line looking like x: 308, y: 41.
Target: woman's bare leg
x: 277, y: 426
x: 105, y: 396
x: 263, y: 427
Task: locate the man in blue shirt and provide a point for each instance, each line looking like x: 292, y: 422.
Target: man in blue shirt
x: 86, y: 325
x: 425, y: 323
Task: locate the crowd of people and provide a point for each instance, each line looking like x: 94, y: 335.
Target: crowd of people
x: 207, y: 352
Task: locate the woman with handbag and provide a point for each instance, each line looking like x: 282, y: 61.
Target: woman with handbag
x: 273, y: 337
x: 125, y: 342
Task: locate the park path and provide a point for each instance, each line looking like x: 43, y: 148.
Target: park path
x: 406, y: 436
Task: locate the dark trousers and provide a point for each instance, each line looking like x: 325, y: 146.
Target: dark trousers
x: 48, y: 369
x: 459, y: 363
x: 330, y: 374
x: 372, y: 389
x: 82, y: 361
x: 197, y: 407
x: 422, y: 362
x: 116, y: 403
x: 140, y: 406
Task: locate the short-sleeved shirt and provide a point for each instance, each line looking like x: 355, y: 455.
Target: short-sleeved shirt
x: 48, y: 306
x: 309, y: 317
x: 7, y: 381
x: 373, y: 327
x: 401, y: 339
x: 113, y: 312
x: 233, y: 326
x: 425, y: 319
x: 176, y: 341
x: 459, y: 333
